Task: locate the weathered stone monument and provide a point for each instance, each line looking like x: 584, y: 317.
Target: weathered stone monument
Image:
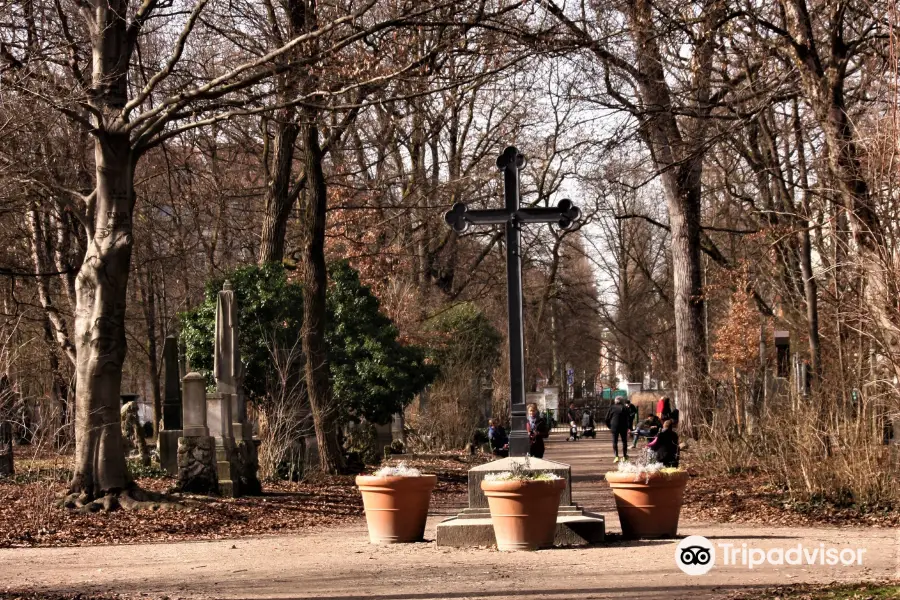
x: 196, y: 458
x: 170, y: 431
x: 236, y: 453
x: 472, y: 527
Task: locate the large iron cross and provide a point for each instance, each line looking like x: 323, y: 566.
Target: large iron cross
x: 566, y: 215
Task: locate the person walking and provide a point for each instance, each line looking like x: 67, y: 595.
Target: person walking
x: 587, y: 424
x: 617, y: 421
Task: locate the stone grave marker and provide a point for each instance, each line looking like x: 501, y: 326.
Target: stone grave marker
x: 196, y: 458
x: 167, y: 441
x: 236, y: 451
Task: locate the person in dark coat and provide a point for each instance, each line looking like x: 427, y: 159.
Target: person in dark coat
x: 617, y: 419
x: 498, y: 439
x: 632, y: 413
x: 666, y: 445
x: 537, y: 430
x: 572, y: 413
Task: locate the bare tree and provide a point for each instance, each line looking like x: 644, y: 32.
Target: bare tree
x: 130, y: 107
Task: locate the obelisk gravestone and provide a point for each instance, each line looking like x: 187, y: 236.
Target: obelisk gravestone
x: 167, y: 442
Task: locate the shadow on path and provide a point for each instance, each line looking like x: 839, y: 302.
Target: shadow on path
x: 667, y: 592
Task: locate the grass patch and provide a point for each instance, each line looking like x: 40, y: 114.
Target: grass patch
x: 855, y: 591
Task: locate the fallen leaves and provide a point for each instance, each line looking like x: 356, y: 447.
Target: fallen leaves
x: 879, y: 590
x: 752, y: 498
x: 28, y: 516
x: 35, y: 595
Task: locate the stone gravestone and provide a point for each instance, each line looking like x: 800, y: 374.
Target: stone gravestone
x: 196, y: 459
x: 236, y: 451
x: 167, y: 442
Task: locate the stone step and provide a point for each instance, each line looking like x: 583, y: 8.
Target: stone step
x: 485, y: 513
x: 572, y: 529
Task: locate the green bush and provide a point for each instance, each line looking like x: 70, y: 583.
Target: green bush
x: 372, y: 374
x: 270, y: 312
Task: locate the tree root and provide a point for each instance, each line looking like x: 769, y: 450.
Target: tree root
x: 132, y: 498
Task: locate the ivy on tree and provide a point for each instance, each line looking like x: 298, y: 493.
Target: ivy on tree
x: 372, y: 374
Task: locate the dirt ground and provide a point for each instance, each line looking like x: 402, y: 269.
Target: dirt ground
x: 339, y: 563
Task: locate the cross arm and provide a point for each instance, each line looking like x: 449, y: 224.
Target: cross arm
x: 460, y: 217
x: 565, y: 214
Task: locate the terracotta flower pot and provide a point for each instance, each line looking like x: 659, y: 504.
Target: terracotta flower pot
x: 648, y: 506
x: 396, y: 507
x: 523, y: 513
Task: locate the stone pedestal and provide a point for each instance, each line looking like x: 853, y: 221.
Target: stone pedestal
x: 226, y: 469
x: 237, y: 457
x: 196, y: 449
x: 197, y: 466
x: 472, y: 527
x: 167, y: 448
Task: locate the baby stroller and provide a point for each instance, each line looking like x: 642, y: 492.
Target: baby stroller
x: 587, y: 425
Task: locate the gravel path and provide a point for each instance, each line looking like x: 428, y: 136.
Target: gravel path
x: 341, y: 565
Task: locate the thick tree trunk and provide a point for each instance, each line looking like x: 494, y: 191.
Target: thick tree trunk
x: 325, y: 414
x: 679, y: 159
x: 100, y: 325
x: 690, y: 336
x: 278, y: 194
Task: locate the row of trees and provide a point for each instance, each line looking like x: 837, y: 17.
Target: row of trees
x: 715, y: 147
